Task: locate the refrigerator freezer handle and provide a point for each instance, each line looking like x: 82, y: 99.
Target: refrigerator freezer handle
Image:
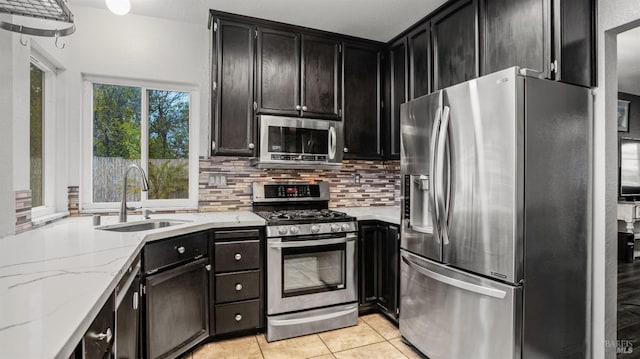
x: 490, y: 292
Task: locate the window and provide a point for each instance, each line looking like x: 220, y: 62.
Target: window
x: 36, y: 135
x: 148, y: 124
x: 42, y: 125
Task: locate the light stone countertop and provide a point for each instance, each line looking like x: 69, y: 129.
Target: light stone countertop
x: 55, y: 279
x: 389, y: 214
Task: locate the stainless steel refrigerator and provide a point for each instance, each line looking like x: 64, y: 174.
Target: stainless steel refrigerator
x: 494, y: 244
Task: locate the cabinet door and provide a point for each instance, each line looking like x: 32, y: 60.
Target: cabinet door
x: 398, y: 83
x: 176, y: 309
x: 320, y: 77
x: 361, y: 96
x: 368, y: 258
x: 128, y: 323
x: 419, y: 44
x: 515, y: 34
x: 388, y: 280
x: 232, y: 89
x: 455, y: 44
x: 574, y: 41
x: 278, y: 75
x: 98, y: 340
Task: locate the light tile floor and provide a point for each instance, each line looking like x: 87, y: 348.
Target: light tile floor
x: 374, y: 337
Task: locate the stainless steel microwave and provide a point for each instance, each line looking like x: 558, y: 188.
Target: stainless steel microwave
x: 289, y: 142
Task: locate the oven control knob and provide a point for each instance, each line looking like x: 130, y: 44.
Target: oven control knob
x: 315, y: 229
x: 345, y: 227
x: 335, y: 228
x: 282, y: 231
x: 294, y: 230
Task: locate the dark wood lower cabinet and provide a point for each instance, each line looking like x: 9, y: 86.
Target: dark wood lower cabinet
x: 177, y: 313
x: 379, y: 248
x: 237, y: 282
x: 388, y: 287
x: 128, y: 322
x: 97, y: 342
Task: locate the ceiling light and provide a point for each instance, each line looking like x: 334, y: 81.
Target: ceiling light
x: 119, y: 7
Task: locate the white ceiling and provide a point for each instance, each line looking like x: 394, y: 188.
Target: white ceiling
x: 629, y: 61
x: 371, y: 19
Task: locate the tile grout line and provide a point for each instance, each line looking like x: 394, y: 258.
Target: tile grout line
x: 255, y: 337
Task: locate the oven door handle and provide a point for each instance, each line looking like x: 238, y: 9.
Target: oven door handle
x: 294, y: 321
x: 314, y: 243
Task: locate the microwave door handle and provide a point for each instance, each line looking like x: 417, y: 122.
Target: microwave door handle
x: 442, y: 207
x: 332, y: 142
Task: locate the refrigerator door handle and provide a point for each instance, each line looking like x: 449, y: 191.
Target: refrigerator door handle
x: 490, y: 292
x: 432, y: 182
x: 441, y: 205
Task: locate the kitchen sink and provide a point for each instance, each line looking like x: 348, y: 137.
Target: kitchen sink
x: 141, y: 225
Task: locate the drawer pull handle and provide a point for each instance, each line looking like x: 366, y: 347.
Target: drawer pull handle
x: 238, y: 317
x: 181, y: 250
x: 238, y: 287
x: 208, y: 267
x: 238, y: 256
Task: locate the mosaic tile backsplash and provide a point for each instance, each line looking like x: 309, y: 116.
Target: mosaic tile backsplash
x: 225, y: 182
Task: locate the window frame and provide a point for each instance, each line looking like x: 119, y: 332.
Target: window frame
x: 86, y: 188
x: 48, y: 206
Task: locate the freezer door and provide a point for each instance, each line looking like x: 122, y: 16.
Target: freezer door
x: 419, y: 121
x: 482, y: 154
x: 449, y: 314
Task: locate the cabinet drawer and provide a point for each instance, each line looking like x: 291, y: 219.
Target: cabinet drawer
x: 175, y: 250
x: 233, y: 317
x: 236, y: 256
x: 233, y: 287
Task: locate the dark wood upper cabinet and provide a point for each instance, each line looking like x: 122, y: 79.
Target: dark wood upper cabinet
x: 278, y: 75
x: 455, y: 44
x: 297, y: 75
x: 232, y: 88
x: 554, y: 38
x: 398, y: 95
x: 320, y: 77
x: 513, y: 33
x: 361, y: 101
x: 574, y: 41
x: 419, y: 42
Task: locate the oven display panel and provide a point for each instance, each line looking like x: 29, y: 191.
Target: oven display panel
x: 291, y: 191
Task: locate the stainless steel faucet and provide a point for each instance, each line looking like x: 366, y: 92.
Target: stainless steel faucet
x: 145, y: 187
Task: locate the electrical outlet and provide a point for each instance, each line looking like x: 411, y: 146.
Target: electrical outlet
x: 217, y: 179
x: 356, y: 178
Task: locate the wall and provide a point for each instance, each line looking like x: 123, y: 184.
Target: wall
x: 613, y: 18
x: 135, y: 47
x: 379, y: 183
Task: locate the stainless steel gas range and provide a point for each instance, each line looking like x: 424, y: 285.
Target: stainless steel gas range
x: 311, y: 260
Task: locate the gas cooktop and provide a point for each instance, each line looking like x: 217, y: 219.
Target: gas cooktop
x: 294, y: 216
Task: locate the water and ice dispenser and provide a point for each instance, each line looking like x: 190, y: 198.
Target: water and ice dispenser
x: 417, y: 204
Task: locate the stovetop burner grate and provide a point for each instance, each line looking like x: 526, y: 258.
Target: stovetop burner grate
x: 310, y: 215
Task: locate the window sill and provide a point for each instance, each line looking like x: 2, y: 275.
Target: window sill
x: 49, y: 218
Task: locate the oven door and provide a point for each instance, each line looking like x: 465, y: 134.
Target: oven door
x: 307, y: 272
